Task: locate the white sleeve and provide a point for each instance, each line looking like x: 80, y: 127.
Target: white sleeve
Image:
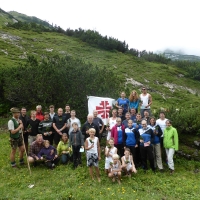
x: 79, y: 123
x: 11, y: 125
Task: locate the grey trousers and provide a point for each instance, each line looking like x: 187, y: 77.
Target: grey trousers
x: 157, y: 156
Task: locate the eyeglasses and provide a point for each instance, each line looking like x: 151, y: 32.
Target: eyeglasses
x: 143, y: 124
x: 143, y: 89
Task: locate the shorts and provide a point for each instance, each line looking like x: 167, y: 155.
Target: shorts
x: 14, y: 143
x: 107, y: 164
x: 92, y: 159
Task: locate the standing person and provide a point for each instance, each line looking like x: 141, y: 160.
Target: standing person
x: 133, y: 114
x: 118, y: 132
x: 51, y: 112
x: 32, y: 127
x: 109, y: 152
x: 50, y: 153
x: 98, y: 121
x: 15, y: 127
x: 67, y: 111
x: 76, y: 141
x: 111, y: 123
x: 45, y: 128
x: 156, y: 143
x: 35, y: 148
x: 131, y: 139
x: 64, y: 149
x: 24, y: 118
x: 146, y: 101
x: 125, y: 122
x: 146, y: 117
x: 93, y: 153
x: 120, y: 114
x: 59, y: 125
x: 146, y: 149
x: 89, y: 124
x: 134, y: 100
x: 39, y: 114
x: 123, y: 103
x: 162, y: 123
x: 170, y: 143
x: 71, y: 120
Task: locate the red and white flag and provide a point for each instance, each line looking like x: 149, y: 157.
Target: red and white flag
x: 102, y: 105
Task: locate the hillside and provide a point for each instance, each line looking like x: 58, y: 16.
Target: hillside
x: 24, y: 18
x: 5, y: 18
x: 167, y: 84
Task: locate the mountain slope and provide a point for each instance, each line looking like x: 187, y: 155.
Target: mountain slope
x: 24, y: 18
x: 5, y: 18
x: 167, y: 84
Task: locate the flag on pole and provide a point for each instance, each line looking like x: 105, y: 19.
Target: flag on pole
x: 102, y: 105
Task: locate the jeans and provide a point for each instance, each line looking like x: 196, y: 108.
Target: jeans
x: 170, y: 154
x: 64, y: 158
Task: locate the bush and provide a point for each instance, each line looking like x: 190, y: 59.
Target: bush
x: 57, y: 81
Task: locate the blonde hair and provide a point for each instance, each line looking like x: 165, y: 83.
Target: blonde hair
x: 115, y: 156
x: 92, y: 130
x: 33, y: 111
x: 135, y: 97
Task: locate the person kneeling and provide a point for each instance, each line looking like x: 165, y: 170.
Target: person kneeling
x: 127, y: 163
x: 50, y: 154
x: 115, y: 169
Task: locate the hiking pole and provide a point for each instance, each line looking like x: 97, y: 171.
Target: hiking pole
x: 26, y: 154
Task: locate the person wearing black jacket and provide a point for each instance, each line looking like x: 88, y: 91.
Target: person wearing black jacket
x: 45, y: 128
x: 156, y: 144
x: 59, y: 125
x: 146, y: 148
x: 32, y: 127
x: 24, y: 118
x: 89, y: 124
x: 76, y: 140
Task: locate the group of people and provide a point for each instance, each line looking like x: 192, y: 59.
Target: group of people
x: 132, y: 137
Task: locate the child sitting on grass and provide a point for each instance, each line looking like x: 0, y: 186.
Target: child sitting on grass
x: 109, y: 151
x: 115, y: 169
x: 92, y: 147
x: 127, y: 163
x: 50, y: 154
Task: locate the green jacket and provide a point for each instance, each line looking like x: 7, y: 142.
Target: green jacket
x: 170, y: 138
x: 62, y: 147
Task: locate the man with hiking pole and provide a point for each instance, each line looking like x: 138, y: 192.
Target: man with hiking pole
x: 15, y: 127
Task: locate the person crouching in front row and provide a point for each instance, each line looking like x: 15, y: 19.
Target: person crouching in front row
x: 50, y: 154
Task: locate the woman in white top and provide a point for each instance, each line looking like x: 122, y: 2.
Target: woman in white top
x: 92, y: 147
x: 111, y: 123
x: 109, y: 152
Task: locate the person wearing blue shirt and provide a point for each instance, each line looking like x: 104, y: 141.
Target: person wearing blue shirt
x: 156, y: 144
x: 131, y: 139
x: 134, y: 100
x: 133, y: 114
x: 128, y: 117
x: 123, y: 103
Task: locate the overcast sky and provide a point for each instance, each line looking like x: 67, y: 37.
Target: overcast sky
x: 144, y: 24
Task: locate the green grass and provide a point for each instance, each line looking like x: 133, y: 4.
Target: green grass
x: 65, y: 183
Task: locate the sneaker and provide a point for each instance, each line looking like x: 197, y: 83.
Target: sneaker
x: 53, y: 165
x: 14, y: 167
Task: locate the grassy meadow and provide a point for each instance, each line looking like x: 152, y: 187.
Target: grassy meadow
x: 67, y: 184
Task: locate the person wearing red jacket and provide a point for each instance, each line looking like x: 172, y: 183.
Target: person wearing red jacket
x: 39, y: 114
x: 118, y: 132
